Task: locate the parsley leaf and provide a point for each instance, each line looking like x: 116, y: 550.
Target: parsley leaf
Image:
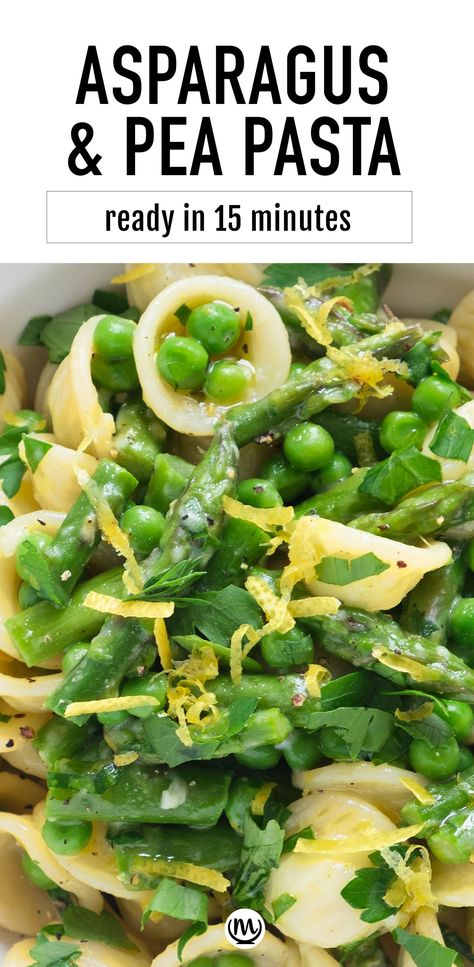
x: 433, y: 730
x: 183, y: 903
x: 12, y: 469
x: 59, y: 332
x: 48, y: 952
x: 261, y: 851
x: 402, y: 471
x: 109, y: 301
x: 366, y: 892
x: 424, y: 951
x: 172, y: 582
x: 285, y: 275
x: 290, y: 841
x: 459, y: 391
x: 11, y: 475
x: 282, y: 903
x: 35, y: 450
x: 192, y: 643
x: 338, y: 570
x: 218, y: 615
x: 183, y: 314
x: 454, y: 438
x: 352, y: 732
x: 83, y: 924
x: 442, y: 315
x: 31, y: 335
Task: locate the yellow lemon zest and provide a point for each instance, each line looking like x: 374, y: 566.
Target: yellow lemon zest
x: 365, y: 369
x: 412, y: 888
x: 122, y: 703
x: 200, y: 875
x: 415, y: 714
x: 367, y: 842
x: 128, y: 609
x: 162, y: 644
x: 418, y: 791
x: 338, y: 281
x: 125, y: 758
x: 109, y: 526
x: 316, y: 676
x: 400, y: 663
x: 259, y: 801
x: 137, y: 272
x: 265, y: 517
x: 188, y: 699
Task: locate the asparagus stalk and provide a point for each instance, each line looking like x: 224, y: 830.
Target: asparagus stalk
x: 43, y: 631
x: 428, y: 513
x: 195, y: 520
x: 56, y: 571
x: 448, y: 797
x: 136, y: 850
x: 340, y: 502
x: 138, y: 439
x: 120, y: 646
x: 352, y: 634
x: 426, y: 610
x: 167, y: 482
x: 264, y: 417
x: 139, y: 795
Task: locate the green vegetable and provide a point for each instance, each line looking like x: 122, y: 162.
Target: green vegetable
x: 301, y: 750
x: 73, y: 655
x: 339, y: 571
x: 138, y: 440
x: 345, y: 429
x: 35, y: 450
x: 434, y: 396
x: 424, y: 951
x: 34, y: 873
x: 31, y: 335
x: 338, y: 468
x: 259, y: 757
x: 47, y: 953
x: 340, y: 502
x: 460, y: 716
x: 57, y: 569
x: 154, y: 684
x: 289, y: 482
x: 182, y: 903
x: 109, y: 300
x: 167, y: 482
x: 13, y: 469
x: 449, y: 798
x: 113, y: 337
x: 66, y: 838
x: 27, y: 596
x: 366, y: 892
x: 242, y: 545
x: 284, y: 651
x: 430, y: 512
x: 205, y: 788
x: 462, y: 623
x: 466, y: 759
x: 261, y: 851
x: 308, y: 447
x: 144, y: 526
x: 58, y: 333
x: 100, y: 927
x: 400, y: 429
x: 216, y: 325
x: 402, y: 471
x: 182, y: 362
x: 426, y: 610
x: 120, y: 645
x: 454, y: 438
x: 37, y: 542
x: 117, y: 376
x: 434, y: 762
x: 258, y: 492
x: 226, y: 380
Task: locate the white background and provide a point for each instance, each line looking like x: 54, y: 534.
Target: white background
x: 430, y: 105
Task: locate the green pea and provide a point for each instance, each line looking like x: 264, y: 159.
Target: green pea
x: 258, y: 492
x: 73, y: 655
x: 27, y: 596
x: 470, y: 555
x: 40, y: 542
x: 282, y: 651
x: 112, y: 718
x: 459, y: 715
x: 400, y: 429
x: 118, y: 376
x: 144, y: 526
x: 113, y: 337
x: 433, y: 396
x: 434, y: 762
x: 301, y: 750
x: 290, y: 483
x: 182, y: 362
x: 466, y: 760
x: 226, y: 381
x: 153, y: 684
x: 338, y: 468
x: 202, y: 961
x: 262, y: 757
x: 66, y: 839
x: 216, y: 325
x: 308, y: 447
x: 462, y: 623
x: 34, y: 873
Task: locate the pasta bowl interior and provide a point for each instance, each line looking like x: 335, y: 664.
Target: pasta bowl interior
x: 236, y: 612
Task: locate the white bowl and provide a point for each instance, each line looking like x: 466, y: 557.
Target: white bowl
x: 29, y: 290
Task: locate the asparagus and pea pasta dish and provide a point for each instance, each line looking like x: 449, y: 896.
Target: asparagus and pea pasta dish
x: 237, y: 624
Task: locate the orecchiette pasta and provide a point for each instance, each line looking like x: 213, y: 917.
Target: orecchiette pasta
x: 154, y: 278
x: 15, y: 387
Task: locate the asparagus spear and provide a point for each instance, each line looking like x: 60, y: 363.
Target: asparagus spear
x: 167, y: 482
x: 264, y: 417
x: 426, y: 610
x: 448, y: 797
x: 140, y: 795
x: 43, y: 631
x: 120, y: 646
x: 195, y: 520
x: 138, y: 439
x: 135, y: 851
x: 428, y: 513
x: 353, y: 634
x: 56, y: 571
x: 341, y: 501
